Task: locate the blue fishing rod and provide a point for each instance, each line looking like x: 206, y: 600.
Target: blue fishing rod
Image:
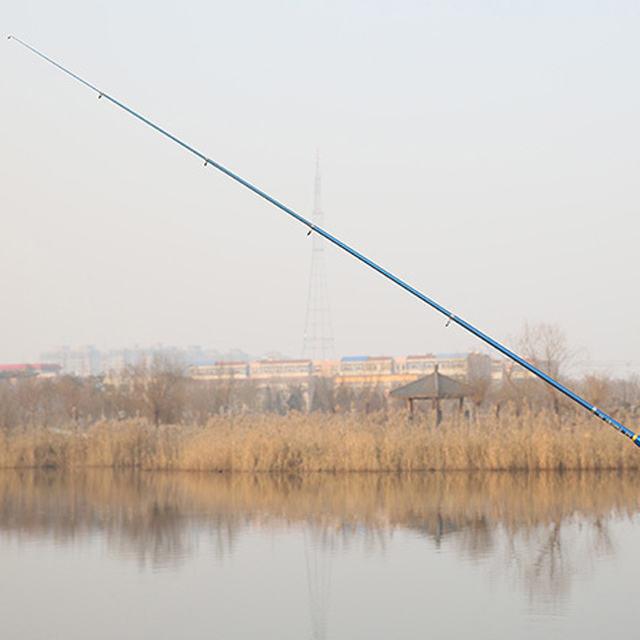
x: 451, y: 317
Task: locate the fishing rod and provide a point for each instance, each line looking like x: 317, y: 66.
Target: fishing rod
x: 451, y: 317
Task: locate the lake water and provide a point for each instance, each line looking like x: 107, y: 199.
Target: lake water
x: 134, y: 555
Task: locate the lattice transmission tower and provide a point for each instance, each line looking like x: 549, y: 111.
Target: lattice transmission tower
x: 318, y: 342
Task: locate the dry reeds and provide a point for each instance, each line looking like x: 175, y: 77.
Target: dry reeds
x: 297, y: 444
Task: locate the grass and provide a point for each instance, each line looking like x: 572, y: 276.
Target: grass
x: 297, y: 444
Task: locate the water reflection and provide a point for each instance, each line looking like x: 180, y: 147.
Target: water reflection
x: 542, y: 529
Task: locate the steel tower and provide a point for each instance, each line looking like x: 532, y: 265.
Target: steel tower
x: 318, y: 343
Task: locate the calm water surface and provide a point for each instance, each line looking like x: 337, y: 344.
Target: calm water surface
x: 104, y: 555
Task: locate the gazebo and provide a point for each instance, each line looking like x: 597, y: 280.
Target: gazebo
x: 434, y: 387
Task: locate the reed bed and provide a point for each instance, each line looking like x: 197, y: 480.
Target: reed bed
x: 298, y: 444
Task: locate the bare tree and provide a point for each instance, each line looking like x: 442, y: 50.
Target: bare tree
x: 545, y: 346
x: 322, y: 395
x: 479, y: 381
x: 9, y: 409
x: 157, y: 386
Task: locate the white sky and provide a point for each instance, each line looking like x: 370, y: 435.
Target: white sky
x: 486, y: 152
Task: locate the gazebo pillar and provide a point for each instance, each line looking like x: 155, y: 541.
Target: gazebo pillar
x: 410, y: 407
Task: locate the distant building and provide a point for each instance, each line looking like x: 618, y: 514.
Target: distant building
x: 89, y: 361
x: 115, y: 361
x: 264, y: 369
x: 366, y: 365
x: 454, y: 365
x: 460, y: 366
x: 503, y: 370
x: 325, y: 368
x: 383, y: 372
x: 280, y: 368
x: 40, y: 370
x: 83, y: 361
x: 497, y: 371
x: 369, y: 372
x: 418, y: 365
x: 220, y: 370
x: 356, y: 371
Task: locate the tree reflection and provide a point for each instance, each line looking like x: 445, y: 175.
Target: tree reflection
x: 547, y: 558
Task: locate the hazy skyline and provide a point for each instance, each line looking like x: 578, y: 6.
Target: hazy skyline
x: 487, y: 153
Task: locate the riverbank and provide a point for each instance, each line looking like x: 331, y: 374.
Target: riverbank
x: 298, y: 443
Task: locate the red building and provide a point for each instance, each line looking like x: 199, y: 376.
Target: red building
x: 25, y: 370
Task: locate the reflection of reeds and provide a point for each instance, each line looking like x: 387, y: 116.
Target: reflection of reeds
x: 161, y: 517
x: 297, y: 444
x: 142, y: 507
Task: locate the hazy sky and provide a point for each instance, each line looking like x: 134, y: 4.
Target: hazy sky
x: 486, y: 152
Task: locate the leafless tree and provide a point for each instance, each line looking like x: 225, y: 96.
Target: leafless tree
x: 9, y: 410
x: 322, y: 395
x: 157, y: 385
x: 545, y: 346
x: 478, y: 381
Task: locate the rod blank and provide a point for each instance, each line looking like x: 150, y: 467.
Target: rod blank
x: 451, y: 317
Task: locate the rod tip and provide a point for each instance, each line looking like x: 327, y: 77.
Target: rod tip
x: 9, y: 37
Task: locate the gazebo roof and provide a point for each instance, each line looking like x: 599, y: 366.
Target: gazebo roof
x: 433, y: 386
